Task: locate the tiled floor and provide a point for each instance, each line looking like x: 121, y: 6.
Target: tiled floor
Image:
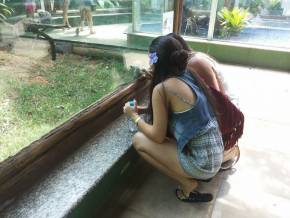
x: 259, y: 186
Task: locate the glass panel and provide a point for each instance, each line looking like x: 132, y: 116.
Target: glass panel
x: 36, y: 93
x: 260, y: 22
x: 153, y: 16
x: 195, y: 17
x: 93, y: 15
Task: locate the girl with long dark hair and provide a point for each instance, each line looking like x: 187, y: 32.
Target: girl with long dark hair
x: 208, y: 70
x: 183, y: 140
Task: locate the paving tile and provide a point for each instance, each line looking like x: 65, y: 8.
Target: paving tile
x: 260, y: 185
x: 156, y: 199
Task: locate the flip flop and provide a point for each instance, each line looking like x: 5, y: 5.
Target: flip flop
x: 204, y: 180
x: 194, y: 196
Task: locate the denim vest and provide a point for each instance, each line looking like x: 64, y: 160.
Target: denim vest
x: 189, y: 124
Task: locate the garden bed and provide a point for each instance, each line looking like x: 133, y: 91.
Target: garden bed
x: 38, y: 95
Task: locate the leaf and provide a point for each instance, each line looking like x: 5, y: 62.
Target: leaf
x: 5, y: 11
x: 232, y: 21
x: 2, y: 16
x: 109, y: 4
x: 101, y: 3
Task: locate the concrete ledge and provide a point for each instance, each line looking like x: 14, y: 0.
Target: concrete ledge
x: 226, y: 52
x: 98, y: 19
x: 82, y: 182
x: 241, y: 54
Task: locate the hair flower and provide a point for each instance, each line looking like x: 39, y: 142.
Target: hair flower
x: 153, y: 58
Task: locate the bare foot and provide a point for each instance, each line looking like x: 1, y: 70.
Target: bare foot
x: 188, y: 193
x: 188, y: 185
x: 194, y: 196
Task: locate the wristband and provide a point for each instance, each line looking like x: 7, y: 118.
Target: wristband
x: 137, y: 119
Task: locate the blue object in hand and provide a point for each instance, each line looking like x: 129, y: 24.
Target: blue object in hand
x: 131, y: 124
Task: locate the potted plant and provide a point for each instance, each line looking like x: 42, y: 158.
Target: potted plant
x: 232, y: 21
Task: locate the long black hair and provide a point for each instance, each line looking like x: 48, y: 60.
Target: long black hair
x: 193, y: 53
x: 180, y: 40
x: 200, y: 81
x: 172, y: 61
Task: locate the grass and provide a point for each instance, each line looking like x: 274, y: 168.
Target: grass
x: 51, y: 94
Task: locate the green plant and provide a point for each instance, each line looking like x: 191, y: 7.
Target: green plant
x: 50, y: 93
x: 255, y: 6
x: 106, y: 4
x: 5, y: 11
x: 232, y: 21
x: 274, y: 5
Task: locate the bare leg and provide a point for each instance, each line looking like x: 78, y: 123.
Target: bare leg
x: 90, y: 21
x: 82, y: 18
x: 164, y: 158
x: 65, y: 11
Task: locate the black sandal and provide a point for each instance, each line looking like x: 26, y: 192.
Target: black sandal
x: 194, y: 197
x: 204, y: 180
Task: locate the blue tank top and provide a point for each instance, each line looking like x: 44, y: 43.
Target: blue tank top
x: 188, y: 124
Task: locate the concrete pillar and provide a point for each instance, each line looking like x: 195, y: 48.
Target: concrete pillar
x: 52, y: 5
x: 237, y: 2
x: 214, y: 5
x: 136, y: 15
x: 42, y: 6
x: 286, y: 7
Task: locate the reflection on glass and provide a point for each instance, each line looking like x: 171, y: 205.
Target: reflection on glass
x: 89, y: 19
x: 38, y: 94
x: 195, y: 17
x: 260, y: 22
x: 153, y: 16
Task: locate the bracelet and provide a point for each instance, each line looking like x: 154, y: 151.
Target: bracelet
x: 137, y: 119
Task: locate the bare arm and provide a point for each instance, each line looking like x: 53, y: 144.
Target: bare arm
x: 206, y: 70
x: 219, y: 80
x: 156, y: 131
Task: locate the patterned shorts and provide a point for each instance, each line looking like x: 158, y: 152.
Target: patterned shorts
x: 203, y: 155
